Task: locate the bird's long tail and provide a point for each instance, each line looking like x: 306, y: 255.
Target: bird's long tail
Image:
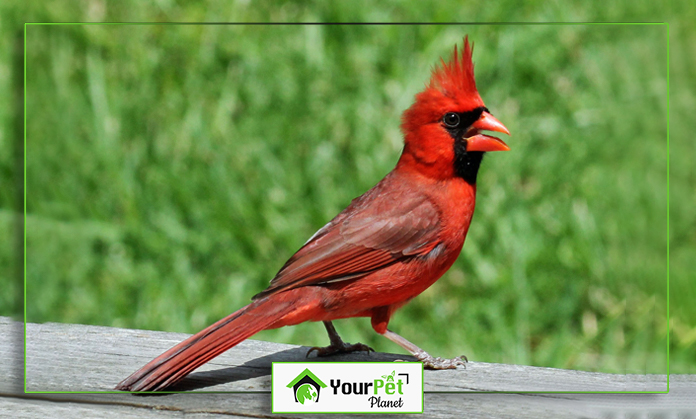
x: 177, y: 362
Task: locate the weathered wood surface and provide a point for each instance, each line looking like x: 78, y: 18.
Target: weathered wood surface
x: 65, y: 357
x: 86, y: 358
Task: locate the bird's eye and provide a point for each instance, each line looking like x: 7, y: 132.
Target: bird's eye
x: 451, y: 120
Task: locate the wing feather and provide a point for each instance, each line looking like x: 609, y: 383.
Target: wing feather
x: 382, y: 227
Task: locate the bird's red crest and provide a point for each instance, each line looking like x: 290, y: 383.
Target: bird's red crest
x: 452, y: 88
x: 456, y: 78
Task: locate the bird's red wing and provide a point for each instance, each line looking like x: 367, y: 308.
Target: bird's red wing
x: 378, y: 229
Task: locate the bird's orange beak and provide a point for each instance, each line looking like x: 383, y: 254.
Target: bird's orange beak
x: 482, y: 142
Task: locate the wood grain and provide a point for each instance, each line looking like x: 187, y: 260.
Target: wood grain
x: 77, y: 358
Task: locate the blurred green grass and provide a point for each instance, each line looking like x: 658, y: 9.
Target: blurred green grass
x: 173, y: 169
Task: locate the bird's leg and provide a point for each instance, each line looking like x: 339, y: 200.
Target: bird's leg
x: 337, y: 345
x: 429, y: 362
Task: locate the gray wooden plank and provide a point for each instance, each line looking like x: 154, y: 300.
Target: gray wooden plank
x: 64, y: 357
x: 681, y: 402
x: 438, y: 406
x: 258, y: 405
x: 24, y: 408
x: 11, y: 356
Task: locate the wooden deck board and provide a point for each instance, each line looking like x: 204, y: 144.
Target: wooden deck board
x: 77, y: 358
x: 94, y: 358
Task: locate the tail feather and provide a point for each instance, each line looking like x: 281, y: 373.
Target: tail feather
x: 173, y: 365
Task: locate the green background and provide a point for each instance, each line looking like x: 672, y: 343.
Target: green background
x: 171, y: 170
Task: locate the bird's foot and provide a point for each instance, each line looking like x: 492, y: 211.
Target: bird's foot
x: 339, y: 348
x: 432, y: 363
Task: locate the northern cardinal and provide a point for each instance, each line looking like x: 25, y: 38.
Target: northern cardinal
x: 388, y: 246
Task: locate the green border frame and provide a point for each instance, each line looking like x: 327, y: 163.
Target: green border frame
x: 666, y: 24
x: 351, y: 363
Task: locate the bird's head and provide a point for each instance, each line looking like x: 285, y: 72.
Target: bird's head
x: 443, y: 128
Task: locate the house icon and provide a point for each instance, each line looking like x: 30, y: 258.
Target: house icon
x: 306, y: 387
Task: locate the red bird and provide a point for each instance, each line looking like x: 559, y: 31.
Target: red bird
x: 387, y: 247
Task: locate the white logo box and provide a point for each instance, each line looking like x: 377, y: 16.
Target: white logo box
x: 347, y: 387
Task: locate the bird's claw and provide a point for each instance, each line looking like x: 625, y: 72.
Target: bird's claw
x: 341, y: 348
x: 432, y: 363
